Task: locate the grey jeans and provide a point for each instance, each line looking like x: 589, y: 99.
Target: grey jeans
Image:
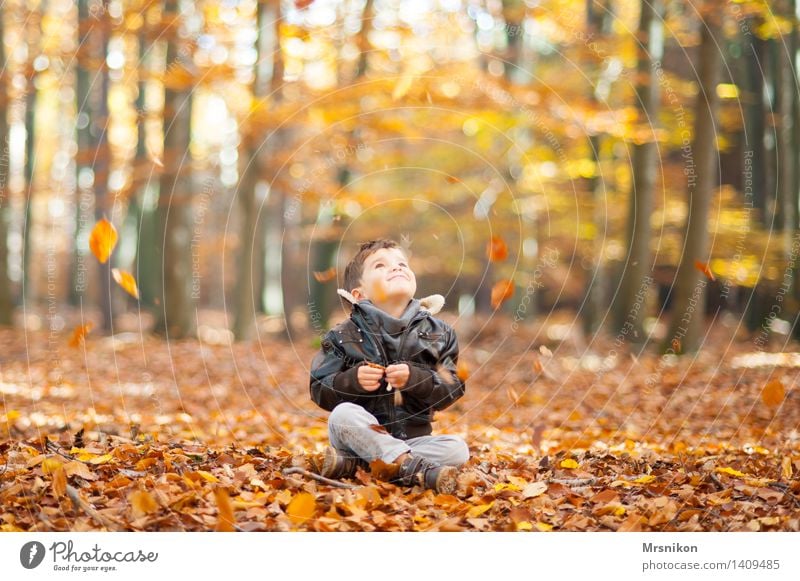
x: 350, y: 432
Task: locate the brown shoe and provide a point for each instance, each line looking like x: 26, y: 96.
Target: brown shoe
x: 417, y: 470
x: 336, y: 465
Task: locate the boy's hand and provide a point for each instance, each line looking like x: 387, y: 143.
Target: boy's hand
x: 397, y: 375
x: 370, y: 377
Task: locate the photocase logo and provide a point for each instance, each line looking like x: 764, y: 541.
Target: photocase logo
x: 31, y: 554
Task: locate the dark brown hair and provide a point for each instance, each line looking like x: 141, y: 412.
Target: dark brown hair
x: 355, y: 268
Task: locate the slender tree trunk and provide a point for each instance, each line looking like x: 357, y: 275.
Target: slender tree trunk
x: 755, y: 115
x: 6, y: 300
x: 83, y: 195
x: 176, y: 316
x: 250, y: 281
x: 101, y: 167
x: 598, y: 21
x: 688, y: 313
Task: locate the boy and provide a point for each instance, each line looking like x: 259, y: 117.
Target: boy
x: 384, y: 371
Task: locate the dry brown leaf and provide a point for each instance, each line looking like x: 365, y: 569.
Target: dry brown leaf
x: 142, y: 503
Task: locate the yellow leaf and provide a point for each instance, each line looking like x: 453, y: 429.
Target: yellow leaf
x: 50, y: 465
x: 478, y: 510
x: 731, y: 472
x: 12, y: 415
x: 786, y: 467
x: 225, y: 520
x: 102, y: 240
x: 647, y: 479
x: 302, y: 507
x: 773, y: 393
x: 517, y: 481
x: 544, y: 527
x: 126, y: 281
x: 207, y: 476
x: 569, y: 463
x: 142, y: 503
x: 524, y: 526
x: 101, y: 459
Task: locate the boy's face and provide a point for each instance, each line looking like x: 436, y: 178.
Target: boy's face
x: 386, y: 277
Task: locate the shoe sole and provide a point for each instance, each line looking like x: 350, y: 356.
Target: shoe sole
x: 446, y: 482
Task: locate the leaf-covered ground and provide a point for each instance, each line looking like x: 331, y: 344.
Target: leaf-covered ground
x: 132, y: 433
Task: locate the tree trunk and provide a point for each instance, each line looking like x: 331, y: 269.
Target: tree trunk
x: 6, y: 295
x: 83, y: 194
x: 176, y: 315
x: 101, y: 167
x: 250, y: 282
x: 755, y: 129
x: 688, y: 313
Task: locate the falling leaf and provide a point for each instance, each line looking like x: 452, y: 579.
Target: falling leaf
x: 326, y: 275
x: 302, y: 4
x: 462, y: 370
x: 302, y: 507
x: 225, y: 519
x: 452, y: 180
x: 102, y: 240
x: 402, y: 87
x: 773, y: 393
x: 496, y: 249
x: 79, y: 335
x: 501, y: 292
x: 569, y: 464
x: 512, y: 395
x: 705, y: 269
x: 534, y: 489
x: 126, y: 281
x: 142, y: 503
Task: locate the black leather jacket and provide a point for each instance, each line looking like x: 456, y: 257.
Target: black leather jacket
x: 428, y: 345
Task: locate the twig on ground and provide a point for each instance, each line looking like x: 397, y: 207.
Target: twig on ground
x: 89, y: 509
x: 318, y: 478
x: 573, y: 481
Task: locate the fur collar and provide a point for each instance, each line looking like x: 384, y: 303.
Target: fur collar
x: 433, y: 303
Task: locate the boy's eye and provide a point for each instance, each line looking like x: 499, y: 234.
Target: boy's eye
x: 378, y: 264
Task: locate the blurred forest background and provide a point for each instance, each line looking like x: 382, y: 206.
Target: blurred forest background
x: 634, y: 162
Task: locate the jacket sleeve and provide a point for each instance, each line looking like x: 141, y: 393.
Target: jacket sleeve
x: 441, y: 387
x: 334, y: 378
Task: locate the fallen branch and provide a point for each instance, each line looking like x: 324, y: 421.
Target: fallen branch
x: 318, y: 478
x: 88, y: 508
x: 573, y: 481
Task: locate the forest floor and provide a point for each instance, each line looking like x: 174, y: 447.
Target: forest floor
x: 134, y: 433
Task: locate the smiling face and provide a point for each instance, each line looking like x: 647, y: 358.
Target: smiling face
x: 386, y: 278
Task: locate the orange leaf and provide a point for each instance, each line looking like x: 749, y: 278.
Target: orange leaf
x: 142, y: 503
x: 383, y: 471
x: 462, y: 370
x: 59, y: 482
x: 102, y: 240
x: 773, y: 393
x: 501, y: 292
x: 496, y: 250
x: 225, y: 520
x: 705, y: 269
x: 325, y: 275
x: 126, y: 281
x: 79, y: 334
x: 302, y: 507
x: 452, y: 180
